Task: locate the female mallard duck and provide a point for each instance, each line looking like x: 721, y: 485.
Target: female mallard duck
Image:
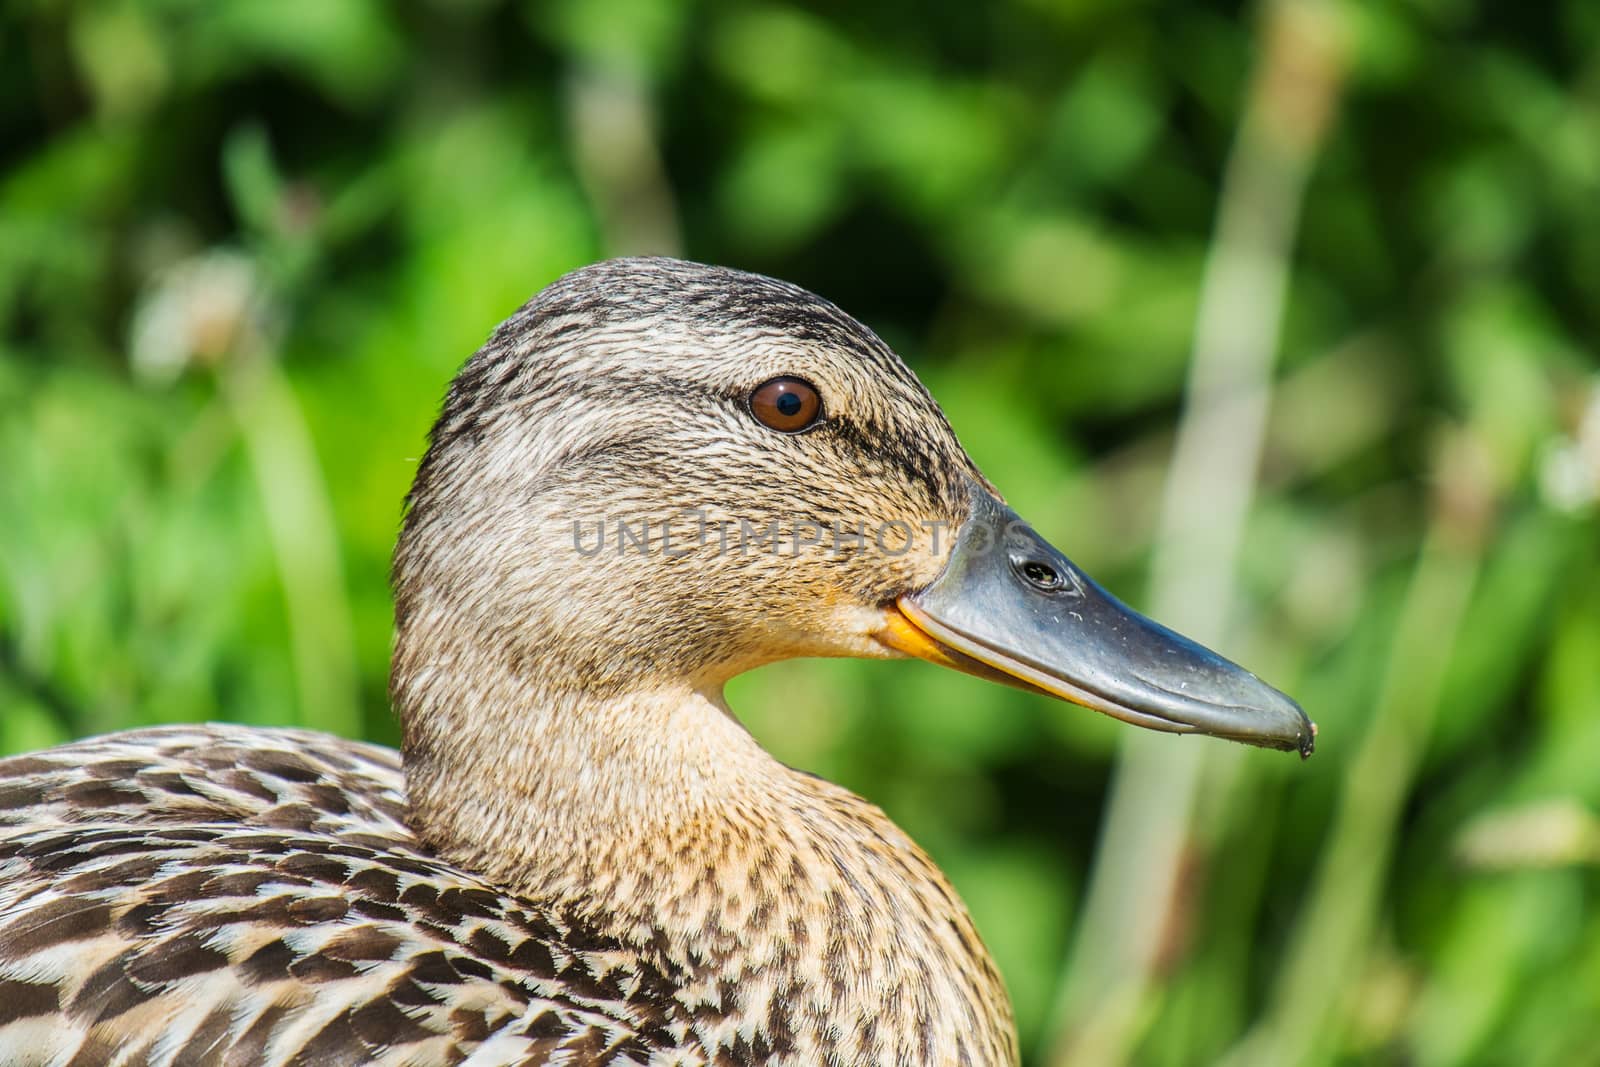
x: 654, y: 476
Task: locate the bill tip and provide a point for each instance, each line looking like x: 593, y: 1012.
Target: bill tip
x: 1308, y: 743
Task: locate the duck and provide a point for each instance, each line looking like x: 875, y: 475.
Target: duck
x: 654, y: 476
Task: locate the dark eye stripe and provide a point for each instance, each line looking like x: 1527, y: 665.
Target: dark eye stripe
x: 788, y: 405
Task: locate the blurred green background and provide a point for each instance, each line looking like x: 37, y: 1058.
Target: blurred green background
x: 1282, y: 320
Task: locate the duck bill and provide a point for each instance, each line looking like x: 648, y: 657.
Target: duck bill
x: 1010, y: 607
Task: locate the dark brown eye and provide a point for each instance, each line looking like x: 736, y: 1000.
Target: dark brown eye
x: 788, y: 405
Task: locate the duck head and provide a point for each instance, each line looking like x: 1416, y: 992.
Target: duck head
x: 661, y: 473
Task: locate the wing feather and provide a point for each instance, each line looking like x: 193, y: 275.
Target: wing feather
x: 233, y: 896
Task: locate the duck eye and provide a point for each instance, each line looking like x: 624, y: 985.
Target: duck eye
x: 787, y: 405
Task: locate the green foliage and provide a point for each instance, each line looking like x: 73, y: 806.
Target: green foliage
x: 243, y: 246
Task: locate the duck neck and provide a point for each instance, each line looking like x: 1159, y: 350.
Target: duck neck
x: 544, y: 789
x: 652, y: 817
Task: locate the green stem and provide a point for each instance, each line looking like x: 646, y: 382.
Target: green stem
x: 1331, y: 941
x: 305, y: 542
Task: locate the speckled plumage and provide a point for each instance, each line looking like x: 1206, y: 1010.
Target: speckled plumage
x: 587, y: 860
